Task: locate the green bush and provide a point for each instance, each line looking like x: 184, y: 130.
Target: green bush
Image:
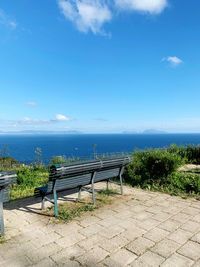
x: 183, y: 182
x: 191, y: 153
x: 152, y: 166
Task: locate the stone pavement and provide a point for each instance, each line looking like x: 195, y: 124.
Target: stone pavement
x: 139, y: 229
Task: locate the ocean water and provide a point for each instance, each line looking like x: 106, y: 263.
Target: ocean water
x: 22, y: 147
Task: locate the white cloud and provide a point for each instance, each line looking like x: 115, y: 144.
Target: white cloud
x: 86, y: 14
x: 32, y: 104
x: 60, y: 117
x: 91, y: 15
x: 174, y: 61
x: 148, y: 6
x: 6, y: 20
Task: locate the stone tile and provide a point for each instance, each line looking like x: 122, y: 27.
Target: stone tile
x: 91, y: 242
x: 169, y: 225
x: 142, y: 215
x: 92, y: 257
x: 191, y: 226
x: 148, y: 259
x: 191, y: 211
x: 196, y: 238
x: 177, y: 260
x: 156, y: 234
x: 16, y: 262
x: 148, y: 224
x: 91, y: 229
x: 120, y: 240
x: 88, y: 221
x: 133, y: 234
x: 121, y: 258
x: 161, y: 216
x: 111, y: 231
x: 67, y: 254
x: 165, y: 247
x: 139, y: 245
x: 196, y: 218
x: 180, y: 236
x: 181, y: 217
x: 190, y: 250
x: 70, y: 240
x: 44, y: 263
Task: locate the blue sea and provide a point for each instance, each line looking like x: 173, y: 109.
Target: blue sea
x: 22, y: 147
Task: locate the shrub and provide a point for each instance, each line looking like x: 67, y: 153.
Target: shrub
x: 152, y: 166
x: 58, y: 160
x: 191, y: 153
x: 183, y: 183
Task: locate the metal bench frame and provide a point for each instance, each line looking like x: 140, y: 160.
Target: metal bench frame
x: 6, y: 178
x: 87, y: 169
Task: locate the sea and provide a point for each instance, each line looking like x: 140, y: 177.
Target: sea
x: 87, y: 146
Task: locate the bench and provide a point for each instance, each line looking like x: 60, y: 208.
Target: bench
x: 73, y: 178
x: 6, y: 178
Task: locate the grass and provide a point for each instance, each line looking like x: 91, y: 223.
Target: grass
x: 68, y: 211
x: 28, y: 178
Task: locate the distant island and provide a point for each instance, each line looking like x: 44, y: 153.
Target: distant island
x: 148, y: 131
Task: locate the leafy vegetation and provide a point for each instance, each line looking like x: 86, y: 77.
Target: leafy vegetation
x: 158, y: 170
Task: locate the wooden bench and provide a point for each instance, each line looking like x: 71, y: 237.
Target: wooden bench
x: 73, y: 178
x: 6, y: 178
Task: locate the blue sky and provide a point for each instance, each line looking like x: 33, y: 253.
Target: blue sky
x: 100, y: 66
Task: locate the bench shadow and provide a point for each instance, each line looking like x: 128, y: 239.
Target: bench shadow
x: 33, y: 204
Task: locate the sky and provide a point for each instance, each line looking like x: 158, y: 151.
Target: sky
x: 100, y: 66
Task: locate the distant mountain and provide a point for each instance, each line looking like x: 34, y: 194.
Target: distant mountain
x: 153, y: 131
x: 37, y: 132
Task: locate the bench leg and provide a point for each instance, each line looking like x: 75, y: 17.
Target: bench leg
x: 93, y: 193
x: 107, y: 185
x: 1, y: 213
x: 79, y: 193
x: 55, y: 202
x: 43, y: 203
x: 121, y: 183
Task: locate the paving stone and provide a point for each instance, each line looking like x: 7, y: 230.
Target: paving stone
x: 180, y: 236
x: 111, y: 231
x: 67, y: 254
x: 92, y: 257
x: 165, y: 247
x: 177, y: 260
x: 156, y: 234
x: 120, y: 241
x: 44, y: 263
x: 181, y: 217
x: 148, y: 224
x: 169, y: 225
x: 191, y: 226
x: 121, y: 258
x: 148, y: 259
x: 16, y: 262
x: 91, y: 242
x: 196, y: 218
x: 161, y: 216
x: 91, y: 229
x: 88, y: 221
x: 139, y: 245
x: 70, y: 240
x: 196, y: 238
x: 191, y: 211
x: 190, y: 250
x: 133, y: 234
x: 142, y: 215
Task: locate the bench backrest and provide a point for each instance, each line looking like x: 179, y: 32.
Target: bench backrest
x: 78, y: 174
x: 6, y: 178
